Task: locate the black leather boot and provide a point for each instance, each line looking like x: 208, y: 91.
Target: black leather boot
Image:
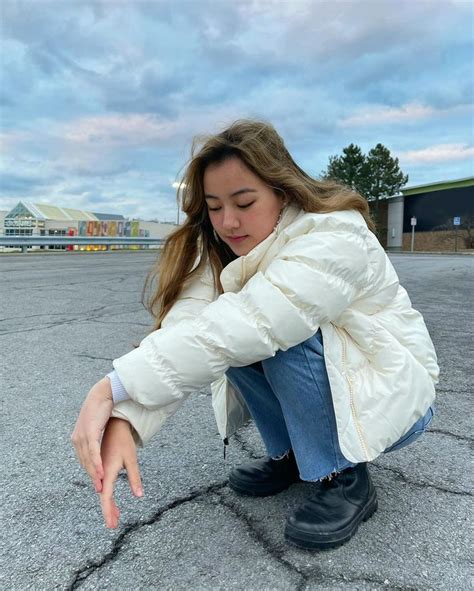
x: 333, y: 515
x: 265, y: 477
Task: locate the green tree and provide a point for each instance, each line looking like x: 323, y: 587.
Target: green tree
x: 350, y: 169
x: 384, y: 175
x: 373, y: 176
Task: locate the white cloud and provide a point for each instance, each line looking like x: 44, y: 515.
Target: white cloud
x: 114, y: 130
x: 438, y: 153
x: 10, y: 139
x: 408, y: 113
x: 377, y: 114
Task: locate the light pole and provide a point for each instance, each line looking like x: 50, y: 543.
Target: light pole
x: 413, y: 224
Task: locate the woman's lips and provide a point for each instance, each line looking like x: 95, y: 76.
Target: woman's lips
x: 236, y: 238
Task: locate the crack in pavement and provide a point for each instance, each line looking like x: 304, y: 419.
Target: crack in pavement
x: 245, y: 447
x: 34, y: 316
x: 118, y: 278
x: 406, y: 480
x: 92, y: 310
x: 307, y: 576
x: 443, y: 432
x: 39, y: 328
x: 94, y: 357
x: 89, y: 568
x: 258, y: 534
x: 119, y: 322
x: 438, y: 391
x: 277, y: 552
x: 79, y: 320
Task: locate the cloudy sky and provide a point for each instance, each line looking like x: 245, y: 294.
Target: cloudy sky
x: 100, y: 99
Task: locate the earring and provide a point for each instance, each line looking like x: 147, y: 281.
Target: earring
x: 284, y: 204
x: 278, y: 220
x: 216, y: 236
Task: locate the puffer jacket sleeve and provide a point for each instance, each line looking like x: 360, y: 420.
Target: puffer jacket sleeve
x: 314, y: 277
x: 194, y: 298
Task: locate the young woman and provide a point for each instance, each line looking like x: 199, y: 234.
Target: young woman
x: 275, y: 291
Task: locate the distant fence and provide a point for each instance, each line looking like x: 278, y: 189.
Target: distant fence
x: 24, y: 242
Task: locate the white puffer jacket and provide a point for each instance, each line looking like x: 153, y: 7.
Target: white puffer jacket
x: 314, y: 271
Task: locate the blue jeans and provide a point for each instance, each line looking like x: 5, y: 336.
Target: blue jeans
x: 289, y: 398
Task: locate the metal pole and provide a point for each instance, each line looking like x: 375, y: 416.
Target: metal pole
x: 455, y: 238
x: 412, y: 237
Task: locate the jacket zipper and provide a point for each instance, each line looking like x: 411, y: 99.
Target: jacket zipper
x: 342, y: 338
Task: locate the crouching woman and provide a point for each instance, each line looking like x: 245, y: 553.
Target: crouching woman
x: 276, y: 291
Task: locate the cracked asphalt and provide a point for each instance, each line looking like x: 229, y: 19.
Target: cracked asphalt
x: 65, y: 316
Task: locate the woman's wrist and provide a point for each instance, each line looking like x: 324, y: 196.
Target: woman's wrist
x: 103, y: 389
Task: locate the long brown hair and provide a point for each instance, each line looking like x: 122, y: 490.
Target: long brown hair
x: 193, y: 245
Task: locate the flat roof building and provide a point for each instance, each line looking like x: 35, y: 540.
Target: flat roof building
x: 442, y: 212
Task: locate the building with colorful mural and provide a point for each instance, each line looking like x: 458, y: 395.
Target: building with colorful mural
x: 42, y: 219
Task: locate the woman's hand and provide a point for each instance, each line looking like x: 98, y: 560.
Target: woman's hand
x: 118, y: 451
x: 95, y: 413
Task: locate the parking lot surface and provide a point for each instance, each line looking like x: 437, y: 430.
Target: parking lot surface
x: 65, y: 317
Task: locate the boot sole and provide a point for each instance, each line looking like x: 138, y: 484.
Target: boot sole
x: 308, y: 541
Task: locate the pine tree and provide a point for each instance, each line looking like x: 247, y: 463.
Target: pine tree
x: 384, y: 175
x: 373, y: 176
x: 349, y: 169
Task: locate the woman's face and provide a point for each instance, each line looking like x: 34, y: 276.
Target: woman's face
x: 243, y: 210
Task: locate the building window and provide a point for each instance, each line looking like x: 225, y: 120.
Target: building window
x: 18, y: 232
x: 57, y: 233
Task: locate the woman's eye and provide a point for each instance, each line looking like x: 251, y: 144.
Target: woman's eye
x: 243, y: 206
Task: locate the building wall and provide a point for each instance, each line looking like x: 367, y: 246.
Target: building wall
x: 157, y: 229
x: 52, y: 225
x: 440, y: 241
x: 435, y: 210
x: 395, y: 224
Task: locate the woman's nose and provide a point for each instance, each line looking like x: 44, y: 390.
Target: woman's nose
x: 230, y: 220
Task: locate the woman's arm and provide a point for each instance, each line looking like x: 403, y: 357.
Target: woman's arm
x: 311, y: 281
x: 98, y: 406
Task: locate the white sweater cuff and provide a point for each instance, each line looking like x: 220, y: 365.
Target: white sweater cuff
x: 119, y: 393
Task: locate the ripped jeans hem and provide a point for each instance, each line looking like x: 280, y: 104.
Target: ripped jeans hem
x: 331, y: 474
